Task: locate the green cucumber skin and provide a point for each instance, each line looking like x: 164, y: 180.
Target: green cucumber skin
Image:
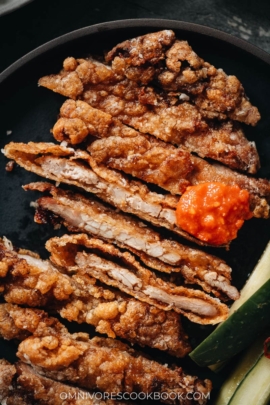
x: 247, y: 362
x: 254, y: 387
x: 237, y: 332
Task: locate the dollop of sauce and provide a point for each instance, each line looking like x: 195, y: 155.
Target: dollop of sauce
x: 213, y: 212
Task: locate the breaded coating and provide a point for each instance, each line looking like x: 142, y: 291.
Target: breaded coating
x: 9, y: 329
x: 124, y: 148
x: 64, y: 165
x: 50, y: 392
x: 19, y: 323
x: 24, y: 386
x: 85, y: 215
x: 145, y: 159
x: 179, y: 69
x: 224, y: 97
x: 67, y: 83
x: 76, y: 118
x: 7, y: 372
x: 176, y: 124
x: 161, y: 163
x: 163, y: 115
x: 98, y: 363
x: 238, y: 154
x: 146, y: 51
x: 33, y: 282
x: 70, y: 82
x: 139, y: 107
x: 46, y: 391
x: 83, y: 120
x: 121, y: 270
x: 48, y: 160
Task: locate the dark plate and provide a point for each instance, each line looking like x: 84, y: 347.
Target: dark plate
x: 6, y: 6
x: 30, y: 112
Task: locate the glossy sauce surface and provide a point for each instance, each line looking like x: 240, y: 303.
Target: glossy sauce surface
x: 213, y: 212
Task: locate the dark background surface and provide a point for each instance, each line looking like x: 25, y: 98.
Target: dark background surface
x: 42, y: 20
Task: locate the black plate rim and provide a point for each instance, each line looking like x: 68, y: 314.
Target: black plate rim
x: 10, y: 9
x: 135, y: 23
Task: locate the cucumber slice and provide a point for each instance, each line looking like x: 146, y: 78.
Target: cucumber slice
x: 258, y: 277
x: 255, y: 388
x: 237, y: 332
x: 246, y: 321
x: 245, y: 364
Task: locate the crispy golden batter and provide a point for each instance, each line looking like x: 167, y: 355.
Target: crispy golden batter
x: 121, y: 270
x: 103, y: 364
x: 46, y: 391
x: 70, y: 82
x: 33, y: 282
x: 180, y: 69
x: 81, y: 214
x: 130, y: 196
x: 145, y: 159
x: 133, y: 155
x: 67, y: 83
x: 157, y: 114
x: 139, y: 107
x: 124, y: 148
x: 7, y: 372
x: 237, y: 154
x: 139, y: 56
x: 177, y: 124
x: 64, y: 165
x: 21, y: 385
x: 78, y: 119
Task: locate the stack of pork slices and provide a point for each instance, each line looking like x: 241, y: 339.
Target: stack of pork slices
x: 135, y: 131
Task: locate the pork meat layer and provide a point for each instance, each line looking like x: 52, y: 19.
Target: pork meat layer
x: 168, y: 256
x: 27, y: 280
x: 65, y: 165
x: 121, y: 270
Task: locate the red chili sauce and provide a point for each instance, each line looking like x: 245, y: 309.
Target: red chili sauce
x: 213, y: 212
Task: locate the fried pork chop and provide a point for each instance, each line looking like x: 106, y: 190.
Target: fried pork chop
x: 20, y: 384
x: 140, y: 57
x: 124, y: 148
x: 141, y: 155
x: 116, y: 189
x: 98, y: 363
x: 7, y: 372
x: 132, y: 154
x: 152, y: 113
x: 27, y: 280
x: 179, y: 69
x: 81, y: 214
x: 65, y: 165
x: 121, y: 270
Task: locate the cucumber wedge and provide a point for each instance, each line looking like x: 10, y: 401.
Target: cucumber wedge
x: 255, y: 388
x: 258, y: 277
x: 247, y: 361
x: 248, y: 318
